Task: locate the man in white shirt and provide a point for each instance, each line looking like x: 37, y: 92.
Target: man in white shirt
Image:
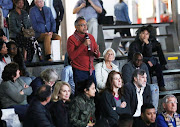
x: 137, y: 92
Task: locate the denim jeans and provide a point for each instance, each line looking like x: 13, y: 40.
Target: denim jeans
x: 155, y: 95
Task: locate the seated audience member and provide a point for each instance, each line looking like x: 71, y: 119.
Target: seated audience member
x: 14, y: 91
x: 67, y: 73
x: 126, y: 120
x: 156, y: 47
x: 143, y: 45
x: 169, y: 118
x: 131, y: 66
x: 104, y: 68
x: 2, y: 122
x: 147, y: 118
x: 82, y: 109
x: 112, y: 100
x: 47, y: 77
x: 44, y: 26
x: 18, y: 19
x: 37, y: 115
x: 4, y: 58
x: 59, y: 109
x: 137, y: 92
x: 15, y: 55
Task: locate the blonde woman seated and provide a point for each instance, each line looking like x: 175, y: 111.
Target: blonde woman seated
x: 59, y: 107
x: 104, y: 68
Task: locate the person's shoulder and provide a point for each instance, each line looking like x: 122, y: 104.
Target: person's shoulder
x: 159, y: 117
x: 128, y: 85
x: 98, y: 65
x: 128, y: 64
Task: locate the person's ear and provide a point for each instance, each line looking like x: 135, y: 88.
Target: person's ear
x: 135, y: 79
x: 164, y: 105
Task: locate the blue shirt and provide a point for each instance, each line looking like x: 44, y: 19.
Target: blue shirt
x: 121, y: 12
x: 162, y: 123
x: 88, y: 12
x: 6, y: 6
x: 67, y: 76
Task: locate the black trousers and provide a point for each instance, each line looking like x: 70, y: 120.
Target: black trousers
x: 156, y: 47
x: 158, y: 72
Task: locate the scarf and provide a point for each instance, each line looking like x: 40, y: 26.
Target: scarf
x: 168, y: 119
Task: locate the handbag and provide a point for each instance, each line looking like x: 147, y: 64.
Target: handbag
x: 28, y: 32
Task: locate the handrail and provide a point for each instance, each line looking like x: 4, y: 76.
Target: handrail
x: 106, y: 27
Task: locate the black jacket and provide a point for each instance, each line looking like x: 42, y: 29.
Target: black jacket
x: 138, y: 122
x: 131, y: 97
x: 37, y: 116
x: 59, y: 113
x: 107, y: 105
x: 139, y: 46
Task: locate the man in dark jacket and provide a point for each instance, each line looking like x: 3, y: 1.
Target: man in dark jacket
x: 147, y: 118
x: 37, y: 114
x: 137, y: 92
x: 131, y: 66
x: 143, y: 45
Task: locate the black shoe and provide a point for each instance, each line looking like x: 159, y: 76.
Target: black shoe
x: 162, y: 88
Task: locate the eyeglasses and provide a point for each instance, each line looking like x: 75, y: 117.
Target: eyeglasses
x: 139, y: 60
x: 172, y: 102
x: 82, y: 25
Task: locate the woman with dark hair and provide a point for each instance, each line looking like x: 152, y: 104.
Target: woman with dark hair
x: 19, y: 20
x: 16, y: 56
x: 112, y: 100
x: 13, y: 90
x: 4, y: 58
x: 59, y: 107
x: 82, y: 109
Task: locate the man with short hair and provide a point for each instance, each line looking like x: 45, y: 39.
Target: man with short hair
x: 169, y: 118
x: 89, y: 9
x: 131, y: 66
x: 37, y: 114
x: 82, y: 48
x: 125, y: 120
x: 44, y: 26
x: 143, y: 45
x: 137, y: 92
x: 147, y: 118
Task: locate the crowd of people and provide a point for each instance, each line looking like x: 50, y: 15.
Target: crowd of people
x: 87, y: 95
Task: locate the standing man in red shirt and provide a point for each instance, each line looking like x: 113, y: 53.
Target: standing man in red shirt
x: 82, y: 48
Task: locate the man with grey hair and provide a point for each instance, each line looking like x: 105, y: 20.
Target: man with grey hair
x: 44, y: 26
x: 169, y: 118
x: 137, y: 92
x: 82, y: 48
x: 48, y: 77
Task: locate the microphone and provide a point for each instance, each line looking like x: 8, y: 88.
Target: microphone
x: 87, y: 37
